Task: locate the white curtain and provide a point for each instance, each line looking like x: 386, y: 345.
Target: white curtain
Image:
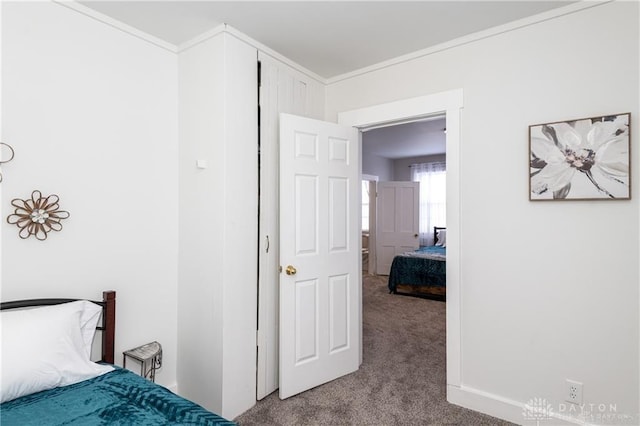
x: 433, y: 198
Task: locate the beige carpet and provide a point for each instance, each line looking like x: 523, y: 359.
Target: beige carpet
x: 401, y: 381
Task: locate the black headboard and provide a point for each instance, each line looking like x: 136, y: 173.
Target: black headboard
x: 436, y: 231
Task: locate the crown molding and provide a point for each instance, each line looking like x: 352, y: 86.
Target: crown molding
x: 114, y: 23
x: 228, y: 29
x: 275, y: 55
x: 477, y: 36
x: 201, y: 38
x: 225, y: 28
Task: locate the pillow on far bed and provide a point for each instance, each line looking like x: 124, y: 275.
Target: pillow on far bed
x: 47, y: 347
x: 442, y: 238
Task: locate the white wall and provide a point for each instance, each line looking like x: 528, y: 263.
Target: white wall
x: 201, y: 112
x: 218, y: 224
x: 91, y: 113
x: 377, y: 166
x: 402, y: 169
x: 240, y: 262
x: 546, y: 294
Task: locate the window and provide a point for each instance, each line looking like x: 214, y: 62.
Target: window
x: 433, y: 198
x: 365, y: 205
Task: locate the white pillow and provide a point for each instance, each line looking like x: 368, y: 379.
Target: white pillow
x: 442, y: 238
x: 47, y: 347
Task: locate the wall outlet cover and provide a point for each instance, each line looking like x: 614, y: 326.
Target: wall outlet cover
x: 573, y: 392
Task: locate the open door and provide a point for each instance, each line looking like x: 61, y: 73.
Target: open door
x: 320, y: 280
x: 398, y: 222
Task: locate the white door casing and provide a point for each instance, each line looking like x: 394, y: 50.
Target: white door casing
x: 320, y: 327
x: 451, y: 102
x: 398, y: 221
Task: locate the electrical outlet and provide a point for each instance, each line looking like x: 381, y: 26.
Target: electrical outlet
x: 573, y: 392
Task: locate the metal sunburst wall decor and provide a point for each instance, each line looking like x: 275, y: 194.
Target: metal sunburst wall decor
x: 37, y: 216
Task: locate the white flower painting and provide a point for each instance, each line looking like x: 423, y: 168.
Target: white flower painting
x: 582, y: 159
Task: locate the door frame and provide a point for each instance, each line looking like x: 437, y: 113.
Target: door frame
x: 403, y: 111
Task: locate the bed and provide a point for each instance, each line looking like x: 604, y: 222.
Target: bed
x: 421, y: 272
x: 49, y: 379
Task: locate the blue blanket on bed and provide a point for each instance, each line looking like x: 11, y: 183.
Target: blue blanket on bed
x: 433, y: 252
x: 116, y: 398
x: 422, y: 268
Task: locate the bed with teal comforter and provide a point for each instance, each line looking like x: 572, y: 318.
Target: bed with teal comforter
x: 116, y: 398
x: 425, y: 267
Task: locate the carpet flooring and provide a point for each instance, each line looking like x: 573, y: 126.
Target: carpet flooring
x: 402, y: 379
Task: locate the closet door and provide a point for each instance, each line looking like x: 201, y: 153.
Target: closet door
x: 282, y: 89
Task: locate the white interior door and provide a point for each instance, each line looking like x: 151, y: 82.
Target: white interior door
x: 319, y: 252
x: 398, y: 221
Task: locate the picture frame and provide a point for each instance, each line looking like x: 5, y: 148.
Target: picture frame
x: 581, y: 159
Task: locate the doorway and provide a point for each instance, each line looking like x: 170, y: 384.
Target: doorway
x: 394, y: 153
x: 450, y: 103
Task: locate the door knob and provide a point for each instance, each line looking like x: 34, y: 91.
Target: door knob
x: 291, y: 270
x: 415, y: 235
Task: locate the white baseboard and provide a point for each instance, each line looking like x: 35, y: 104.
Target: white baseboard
x: 173, y: 388
x: 505, y: 408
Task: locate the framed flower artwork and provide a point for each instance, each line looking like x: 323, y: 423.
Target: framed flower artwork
x: 584, y: 159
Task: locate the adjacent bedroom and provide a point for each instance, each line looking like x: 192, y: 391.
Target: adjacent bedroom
x: 404, y: 207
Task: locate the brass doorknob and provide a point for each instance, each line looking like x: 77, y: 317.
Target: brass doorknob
x: 291, y: 270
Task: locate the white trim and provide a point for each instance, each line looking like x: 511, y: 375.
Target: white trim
x: 2, y: 212
x: 454, y: 250
x: 636, y: 120
x: 531, y: 20
x: 450, y: 102
x: 369, y: 177
x: 486, y: 403
x: 275, y: 55
x: 402, y: 111
x: 114, y: 23
x: 359, y: 326
x: 480, y: 35
x: 222, y: 28
x: 505, y: 408
x: 201, y: 38
x: 407, y: 121
x: 252, y: 42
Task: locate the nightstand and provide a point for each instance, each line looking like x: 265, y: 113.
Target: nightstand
x: 149, y: 356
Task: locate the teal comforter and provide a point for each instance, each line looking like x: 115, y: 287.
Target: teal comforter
x: 116, y: 398
x: 424, y: 267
